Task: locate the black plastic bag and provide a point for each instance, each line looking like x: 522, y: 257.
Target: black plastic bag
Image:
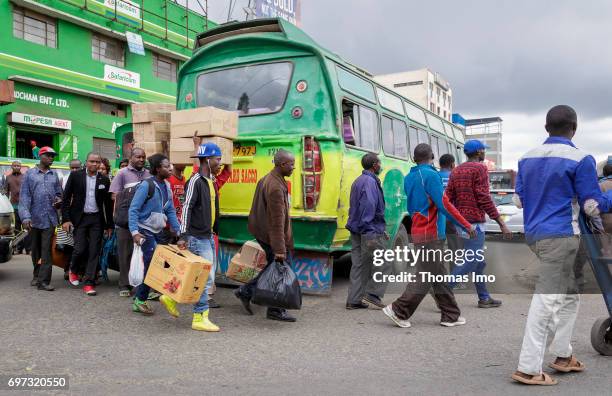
x: 278, y: 287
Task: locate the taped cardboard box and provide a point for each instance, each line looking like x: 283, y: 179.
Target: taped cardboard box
x: 152, y: 112
x: 151, y: 131
x: 247, y: 263
x: 204, y: 121
x: 181, y: 151
x: 179, y: 274
x: 151, y: 148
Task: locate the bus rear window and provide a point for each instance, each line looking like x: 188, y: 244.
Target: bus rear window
x: 249, y: 90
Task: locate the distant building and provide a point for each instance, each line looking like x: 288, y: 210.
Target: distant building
x: 424, y: 87
x: 489, y: 131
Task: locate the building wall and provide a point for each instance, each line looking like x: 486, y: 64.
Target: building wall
x: 422, y: 87
x: 65, y: 82
x: 494, y: 141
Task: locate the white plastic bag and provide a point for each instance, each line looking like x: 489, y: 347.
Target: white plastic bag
x: 136, y: 275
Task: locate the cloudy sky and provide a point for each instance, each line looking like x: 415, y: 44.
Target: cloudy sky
x: 513, y: 59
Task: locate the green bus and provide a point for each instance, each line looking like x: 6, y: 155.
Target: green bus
x: 291, y: 93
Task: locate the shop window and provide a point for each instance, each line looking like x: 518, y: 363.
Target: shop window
x: 110, y: 108
x: 34, y: 27
x: 164, y: 68
x: 107, y: 50
x: 360, y: 126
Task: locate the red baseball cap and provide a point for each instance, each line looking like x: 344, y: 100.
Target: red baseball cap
x: 47, y: 150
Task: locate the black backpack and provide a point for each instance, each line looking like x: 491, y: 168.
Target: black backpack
x: 124, y: 200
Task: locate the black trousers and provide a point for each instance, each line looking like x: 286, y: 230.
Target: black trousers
x: 41, y: 250
x: 87, y: 245
x: 247, y: 289
x: 125, y: 246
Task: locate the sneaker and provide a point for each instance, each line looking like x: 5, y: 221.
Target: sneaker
x: 170, y: 305
x: 212, y: 303
x: 89, y: 290
x: 141, y: 307
x: 460, y: 321
x: 153, y: 295
x: 361, y: 305
x: 202, y: 323
x: 73, y: 278
x: 388, y: 310
x: 490, y: 303
x: 124, y: 293
x: 373, y: 301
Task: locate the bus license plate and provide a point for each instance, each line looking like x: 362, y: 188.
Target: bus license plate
x: 244, y: 151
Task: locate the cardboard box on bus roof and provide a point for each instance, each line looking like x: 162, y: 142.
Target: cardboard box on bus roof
x: 152, y: 112
x: 247, y: 263
x: 179, y: 274
x: 204, y: 121
x: 181, y: 149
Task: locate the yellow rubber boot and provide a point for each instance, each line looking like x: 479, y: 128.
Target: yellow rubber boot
x: 202, y: 323
x: 170, y: 305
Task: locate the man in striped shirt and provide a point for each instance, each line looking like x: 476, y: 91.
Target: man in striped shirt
x: 468, y: 190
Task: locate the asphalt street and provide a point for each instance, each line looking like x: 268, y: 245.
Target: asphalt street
x: 105, y: 349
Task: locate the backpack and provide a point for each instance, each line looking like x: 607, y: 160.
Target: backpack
x: 124, y: 200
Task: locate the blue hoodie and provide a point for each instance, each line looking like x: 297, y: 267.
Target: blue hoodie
x: 152, y: 214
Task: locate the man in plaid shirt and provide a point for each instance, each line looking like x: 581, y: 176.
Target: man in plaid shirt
x: 468, y: 191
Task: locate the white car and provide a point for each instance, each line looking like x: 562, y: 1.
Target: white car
x: 509, y: 212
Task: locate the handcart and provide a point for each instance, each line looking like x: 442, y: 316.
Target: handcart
x: 593, y: 234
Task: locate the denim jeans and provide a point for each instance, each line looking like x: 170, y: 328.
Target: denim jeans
x: 205, y: 248
x: 148, y: 248
x: 474, y: 265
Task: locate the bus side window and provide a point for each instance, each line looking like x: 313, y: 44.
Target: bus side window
x: 413, y: 138
x: 360, y: 126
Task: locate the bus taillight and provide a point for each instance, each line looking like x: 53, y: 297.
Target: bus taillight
x: 311, y: 185
x: 312, y: 190
x: 312, y: 155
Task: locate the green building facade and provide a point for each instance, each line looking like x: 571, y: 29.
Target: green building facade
x: 75, y: 74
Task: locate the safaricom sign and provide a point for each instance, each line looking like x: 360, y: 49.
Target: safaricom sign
x: 120, y: 76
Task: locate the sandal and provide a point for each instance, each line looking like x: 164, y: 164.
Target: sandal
x: 572, y: 364
x: 542, y: 379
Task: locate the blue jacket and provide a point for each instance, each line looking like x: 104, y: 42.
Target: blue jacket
x: 445, y: 175
x: 553, y: 182
x: 428, y: 206
x: 152, y: 214
x: 367, y: 206
x: 38, y: 193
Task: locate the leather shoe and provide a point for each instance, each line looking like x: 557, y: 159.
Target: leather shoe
x: 246, y: 302
x: 34, y: 282
x: 45, y: 287
x: 280, y: 315
x: 361, y: 305
x: 212, y: 303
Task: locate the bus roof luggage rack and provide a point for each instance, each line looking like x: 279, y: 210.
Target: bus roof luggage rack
x: 268, y: 25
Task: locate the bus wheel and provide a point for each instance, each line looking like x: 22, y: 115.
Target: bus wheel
x: 401, y: 240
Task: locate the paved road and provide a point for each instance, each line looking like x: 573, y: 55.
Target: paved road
x: 106, y: 349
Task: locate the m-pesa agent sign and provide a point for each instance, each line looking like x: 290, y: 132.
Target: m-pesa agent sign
x: 121, y: 76
x: 48, y: 122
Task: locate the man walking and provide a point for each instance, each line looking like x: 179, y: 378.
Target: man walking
x: 40, y: 197
x: 127, y: 177
x: 87, y: 207
x: 429, y: 208
x: 555, y: 181
x: 366, y: 222
x: 270, y: 223
x: 468, y: 191
x: 13, y: 187
x: 447, y: 164
x: 147, y: 219
x: 200, y: 214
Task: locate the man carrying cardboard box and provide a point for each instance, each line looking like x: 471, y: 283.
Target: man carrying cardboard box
x: 199, y: 222
x: 147, y: 219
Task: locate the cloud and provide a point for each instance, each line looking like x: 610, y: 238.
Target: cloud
x: 522, y: 132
